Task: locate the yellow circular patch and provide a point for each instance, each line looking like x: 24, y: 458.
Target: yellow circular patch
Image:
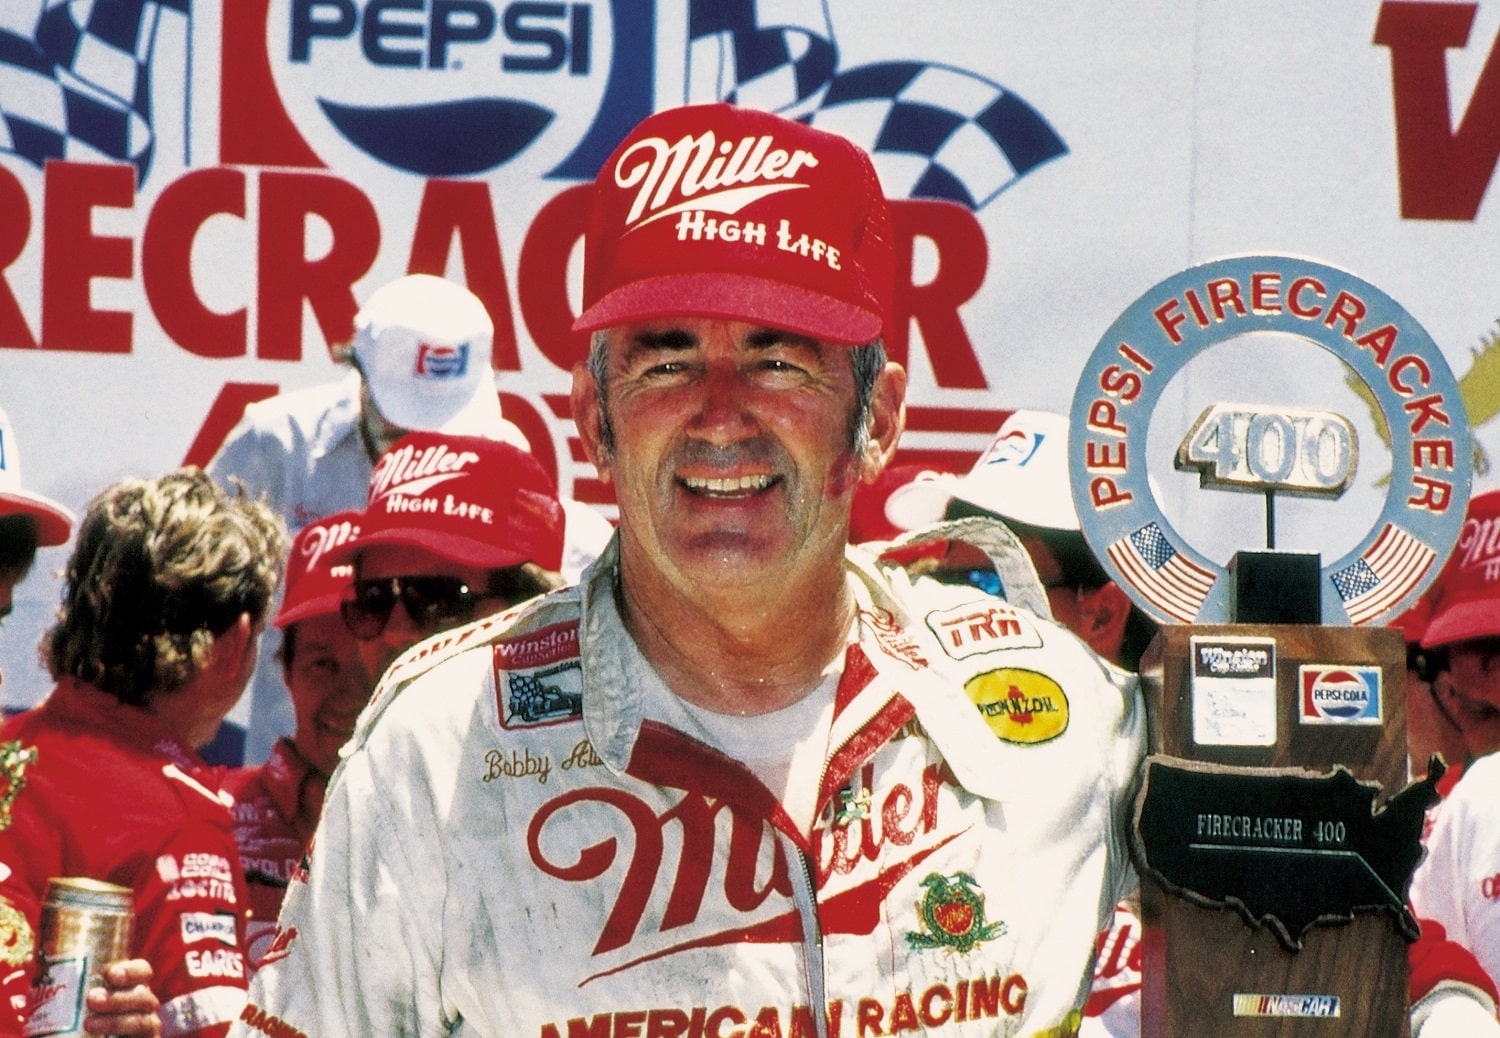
x: 1020, y: 705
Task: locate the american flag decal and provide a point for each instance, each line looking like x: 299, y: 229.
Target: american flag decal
x: 1153, y: 567
x: 1381, y: 577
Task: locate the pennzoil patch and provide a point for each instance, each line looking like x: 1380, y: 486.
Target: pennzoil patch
x: 1020, y: 706
x: 952, y: 915
x: 14, y: 760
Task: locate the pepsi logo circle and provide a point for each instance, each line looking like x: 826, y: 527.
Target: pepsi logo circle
x: 440, y: 88
x: 1341, y: 695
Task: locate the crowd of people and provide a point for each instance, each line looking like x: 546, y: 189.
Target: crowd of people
x: 720, y: 767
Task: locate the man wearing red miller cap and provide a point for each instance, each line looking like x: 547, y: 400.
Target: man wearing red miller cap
x: 1458, y: 883
x: 742, y: 778
x: 276, y: 804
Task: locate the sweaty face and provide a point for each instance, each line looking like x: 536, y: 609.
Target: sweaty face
x: 731, y: 456
x: 329, y: 687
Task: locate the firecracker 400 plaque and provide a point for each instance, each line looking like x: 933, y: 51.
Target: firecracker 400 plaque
x: 1274, y: 887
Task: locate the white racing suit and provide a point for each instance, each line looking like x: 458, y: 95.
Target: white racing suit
x: 511, y: 849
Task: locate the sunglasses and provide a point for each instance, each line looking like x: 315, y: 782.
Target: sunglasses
x: 433, y: 603
x: 982, y: 577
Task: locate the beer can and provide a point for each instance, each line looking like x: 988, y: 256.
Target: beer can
x: 85, y: 925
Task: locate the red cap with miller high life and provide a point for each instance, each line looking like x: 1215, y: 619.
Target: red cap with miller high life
x: 727, y: 212
x: 476, y: 501
x: 314, y: 584
x: 1466, y: 597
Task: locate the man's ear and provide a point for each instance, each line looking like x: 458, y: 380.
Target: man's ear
x: 1102, y: 614
x: 231, y: 645
x: 590, y: 422
x: 887, y: 421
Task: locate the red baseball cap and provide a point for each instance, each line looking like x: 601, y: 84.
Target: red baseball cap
x: 1467, y: 602
x: 728, y: 212
x: 477, y: 501
x: 314, y: 584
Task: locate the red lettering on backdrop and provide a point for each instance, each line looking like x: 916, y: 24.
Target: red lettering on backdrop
x: 520, y: 413
x: 73, y: 256
x: 963, y: 258
x: 167, y: 262
x: 288, y: 277
x: 542, y: 279
x: 462, y: 209
x: 15, y: 229
x: 1444, y: 172
x: 223, y: 415
x: 254, y: 129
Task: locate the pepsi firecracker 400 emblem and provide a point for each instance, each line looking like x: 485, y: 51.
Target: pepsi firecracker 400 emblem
x: 1374, y: 337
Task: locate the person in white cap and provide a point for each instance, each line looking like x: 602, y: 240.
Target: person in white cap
x: 420, y: 360
x: 1022, y: 478
x: 28, y: 520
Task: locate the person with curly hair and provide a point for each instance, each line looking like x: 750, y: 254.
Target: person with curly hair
x: 165, y: 596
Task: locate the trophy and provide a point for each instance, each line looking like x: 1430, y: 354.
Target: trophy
x: 1275, y: 831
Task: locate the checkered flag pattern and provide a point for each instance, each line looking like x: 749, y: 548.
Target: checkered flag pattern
x: 934, y: 131
x: 938, y: 132
x: 79, y: 87
x: 782, y: 67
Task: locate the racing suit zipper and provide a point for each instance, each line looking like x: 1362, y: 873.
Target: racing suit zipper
x: 805, y: 895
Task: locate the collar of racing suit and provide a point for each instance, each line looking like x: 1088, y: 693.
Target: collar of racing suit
x: 894, y: 672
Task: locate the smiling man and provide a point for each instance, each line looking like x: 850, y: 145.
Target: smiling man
x: 742, y: 779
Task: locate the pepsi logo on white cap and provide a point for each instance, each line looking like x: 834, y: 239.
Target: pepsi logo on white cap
x: 1022, y: 475
x: 425, y: 346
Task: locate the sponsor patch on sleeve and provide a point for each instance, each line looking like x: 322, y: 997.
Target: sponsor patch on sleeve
x: 983, y: 626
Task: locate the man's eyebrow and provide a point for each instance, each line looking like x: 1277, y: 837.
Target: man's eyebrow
x: 670, y: 339
x: 766, y: 338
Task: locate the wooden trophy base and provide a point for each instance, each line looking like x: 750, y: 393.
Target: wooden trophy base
x: 1206, y: 970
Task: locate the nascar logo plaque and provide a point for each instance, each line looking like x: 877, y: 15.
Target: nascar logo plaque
x: 1272, y: 671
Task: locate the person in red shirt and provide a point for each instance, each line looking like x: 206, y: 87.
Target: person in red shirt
x: 164, y: 599
x: 277, y: 803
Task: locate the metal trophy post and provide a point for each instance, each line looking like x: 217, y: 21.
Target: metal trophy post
x: 1274, y: 847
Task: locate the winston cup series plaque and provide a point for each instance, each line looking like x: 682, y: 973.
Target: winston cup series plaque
x: 1275, y: 831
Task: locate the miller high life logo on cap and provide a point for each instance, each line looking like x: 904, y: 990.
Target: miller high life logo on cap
x: 705, y: 173
x: 413, y: 471
x: 323, y: 539
x: 1479, y: 547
